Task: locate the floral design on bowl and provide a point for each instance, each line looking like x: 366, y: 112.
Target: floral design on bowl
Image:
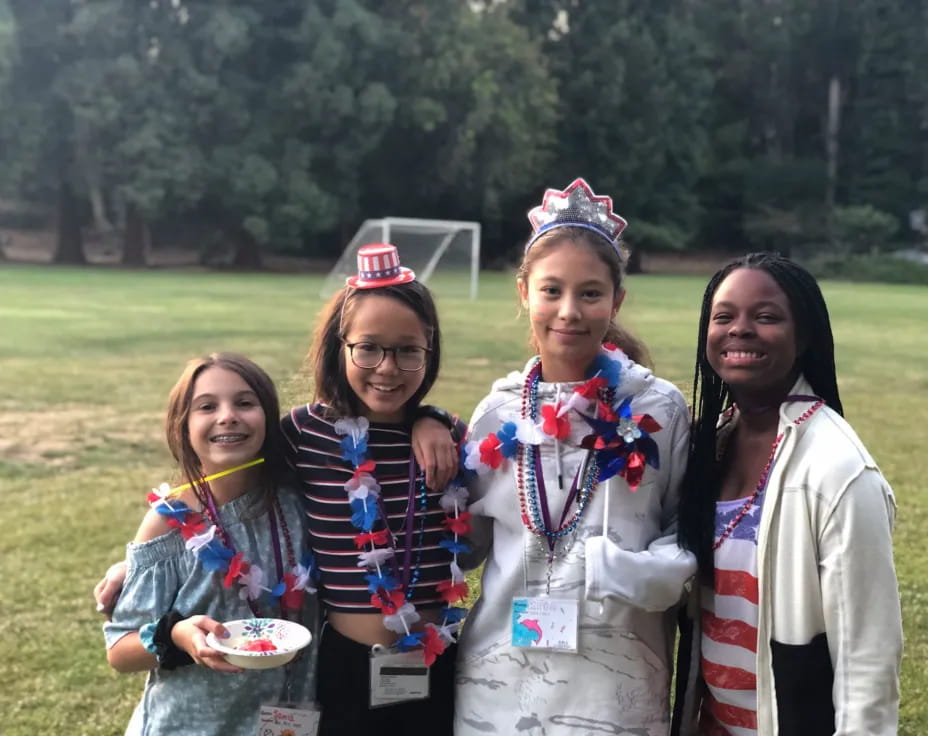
x: 260, y: 643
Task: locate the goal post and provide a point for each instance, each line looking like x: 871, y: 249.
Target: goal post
x: 446, y: 251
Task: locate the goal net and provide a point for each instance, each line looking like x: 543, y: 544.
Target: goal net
x: 444, y: 253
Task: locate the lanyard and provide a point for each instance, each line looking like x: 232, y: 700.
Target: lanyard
x: 408, y: 524
x: 550, y: 536
x: 273, y: 512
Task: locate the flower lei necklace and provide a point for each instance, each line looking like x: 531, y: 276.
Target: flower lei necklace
x: 389, y: 593
x: 213, y: 547
x: 620, y: 443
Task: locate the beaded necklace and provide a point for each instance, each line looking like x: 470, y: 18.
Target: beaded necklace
x: 620, y: 443
x: 621, y: 440
x: 533, y: 497
x: 390, y: 593
x: 765, y: 473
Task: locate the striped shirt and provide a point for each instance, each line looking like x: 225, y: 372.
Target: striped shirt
x: 316, y: 456
x: 729, y: 626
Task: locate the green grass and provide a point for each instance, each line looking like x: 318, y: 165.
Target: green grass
x: 88, y: 357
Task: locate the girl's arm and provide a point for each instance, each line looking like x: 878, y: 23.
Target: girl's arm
x: 130, y: 655
x: 653, y: 579
x: 433, y: 444
x: 860, y: 600
x: 106, y: 592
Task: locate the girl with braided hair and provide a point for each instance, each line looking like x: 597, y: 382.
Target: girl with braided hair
x: 795, y: 626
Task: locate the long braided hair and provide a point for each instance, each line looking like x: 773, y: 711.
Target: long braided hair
x: 711, y: 395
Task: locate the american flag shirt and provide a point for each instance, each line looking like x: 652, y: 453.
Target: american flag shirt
x: 729, y: 626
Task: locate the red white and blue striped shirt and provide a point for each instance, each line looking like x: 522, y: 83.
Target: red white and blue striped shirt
x: 729, y: 626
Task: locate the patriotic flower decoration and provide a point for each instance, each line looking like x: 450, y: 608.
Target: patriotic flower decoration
x: 621, y: 440
x: 623, y: 443
x: 205, y: 540
x: 554, y: 422
x: 378, y: 546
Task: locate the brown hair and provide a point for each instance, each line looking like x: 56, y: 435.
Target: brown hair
x: 327, y: 356
x: 273, y: 471
x: 633, y: 347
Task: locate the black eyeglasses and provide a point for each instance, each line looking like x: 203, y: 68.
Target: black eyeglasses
x: 371, y: 355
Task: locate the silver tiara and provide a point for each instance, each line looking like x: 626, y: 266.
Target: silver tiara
x: 576, y: 206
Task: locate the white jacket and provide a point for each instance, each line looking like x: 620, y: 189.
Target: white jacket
x: 626, y: 576
x: 827, y: 587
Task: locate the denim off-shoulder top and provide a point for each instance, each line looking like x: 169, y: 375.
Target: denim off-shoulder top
x: 163, y: 575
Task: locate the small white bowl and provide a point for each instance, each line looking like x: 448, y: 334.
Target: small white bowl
x: 286, y: 638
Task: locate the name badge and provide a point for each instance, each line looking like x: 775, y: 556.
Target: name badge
x: 278, y: 720
x: 545, y: 623
x: 397, y: 677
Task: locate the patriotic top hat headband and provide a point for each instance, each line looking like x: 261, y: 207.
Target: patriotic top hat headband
x: 379, y: 265
x: 576, y: 206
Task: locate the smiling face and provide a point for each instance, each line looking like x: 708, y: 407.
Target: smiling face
x: 383, y: 391
x: 571, y: 302
x: 751, y: 339
x: 226, y: 423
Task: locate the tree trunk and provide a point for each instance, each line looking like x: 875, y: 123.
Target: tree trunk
x: 100, y: 221
x: 246, y: 252
x: 832, y: 131
x: 635, y: 264
x: 135, y: 239
x: 70, y: 248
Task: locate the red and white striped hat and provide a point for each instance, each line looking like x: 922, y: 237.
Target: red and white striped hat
x: 379, y: 265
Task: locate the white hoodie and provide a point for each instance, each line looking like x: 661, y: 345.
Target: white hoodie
x: 625, y: 580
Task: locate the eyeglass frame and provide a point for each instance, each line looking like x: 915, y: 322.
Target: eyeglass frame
x: 383, y: 355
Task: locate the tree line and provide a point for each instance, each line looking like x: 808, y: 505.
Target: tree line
x: 280, y: 126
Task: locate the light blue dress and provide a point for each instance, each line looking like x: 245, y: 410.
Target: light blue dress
x: 162, y: 575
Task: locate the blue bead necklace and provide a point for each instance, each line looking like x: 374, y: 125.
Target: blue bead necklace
x: 533, y: 496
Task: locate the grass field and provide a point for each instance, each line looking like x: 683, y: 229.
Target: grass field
x: 88, y: 357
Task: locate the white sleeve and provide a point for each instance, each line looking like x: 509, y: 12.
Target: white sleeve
x: 654, y: 578
x: 860, y: 600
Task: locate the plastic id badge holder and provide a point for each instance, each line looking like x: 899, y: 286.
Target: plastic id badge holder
x: 397, y: 677
x: 287, y: 718
x: 284, y: 720
x: 545, y: 623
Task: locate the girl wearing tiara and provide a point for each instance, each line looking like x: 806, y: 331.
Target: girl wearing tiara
x: 576, y: 462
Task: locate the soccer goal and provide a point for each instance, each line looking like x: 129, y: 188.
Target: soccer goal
x: 446, y: 251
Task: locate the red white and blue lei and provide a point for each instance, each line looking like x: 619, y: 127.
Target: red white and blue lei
x: 620, y: 442
x: 205, y: 538
x: 378, y: 547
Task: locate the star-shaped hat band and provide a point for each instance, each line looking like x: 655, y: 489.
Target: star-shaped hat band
x: 576, y: 206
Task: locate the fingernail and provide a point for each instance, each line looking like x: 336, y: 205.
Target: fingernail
x: 225, y: 634
x: 99, y: 608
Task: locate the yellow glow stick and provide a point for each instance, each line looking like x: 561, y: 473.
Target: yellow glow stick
x: 214, y: 476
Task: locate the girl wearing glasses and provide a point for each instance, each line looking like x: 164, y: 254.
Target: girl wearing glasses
x: 385, y: 531
x: 386, y: 544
